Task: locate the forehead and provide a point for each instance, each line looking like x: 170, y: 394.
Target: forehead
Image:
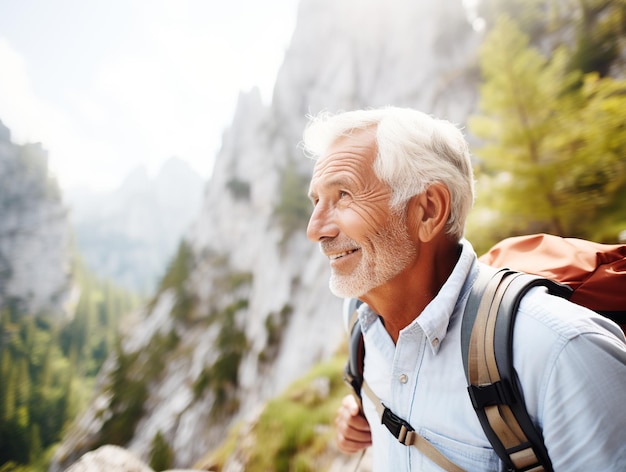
x: 348, y: 157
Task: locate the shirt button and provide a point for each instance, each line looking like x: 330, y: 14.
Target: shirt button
x: 403, y: 378
x: 435, y: 342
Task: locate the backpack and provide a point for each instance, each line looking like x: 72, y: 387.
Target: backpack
x: 587, y: 273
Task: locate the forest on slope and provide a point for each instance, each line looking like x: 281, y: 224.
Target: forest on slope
x: 48, y: 367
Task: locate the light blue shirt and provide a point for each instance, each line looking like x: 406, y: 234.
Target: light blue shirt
x: 571, y: 363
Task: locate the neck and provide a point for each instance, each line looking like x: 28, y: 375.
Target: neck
x: 402, y: 299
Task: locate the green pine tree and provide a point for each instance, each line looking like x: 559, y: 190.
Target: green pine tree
x: 550, y: 149
x: 161, y: 455
x: 35, y: 443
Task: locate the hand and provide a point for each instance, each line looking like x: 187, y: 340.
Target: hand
x: 353, y: 430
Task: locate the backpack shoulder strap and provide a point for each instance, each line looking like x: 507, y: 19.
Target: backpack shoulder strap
x: 353, y: 370
x: 493, y: 386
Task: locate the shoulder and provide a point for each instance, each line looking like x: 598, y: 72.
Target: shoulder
x: 560, y: 346
x: 562, y: 318
x: 550, y: 329
x: 571, y: 363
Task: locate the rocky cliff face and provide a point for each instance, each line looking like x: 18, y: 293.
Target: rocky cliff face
x: 34, y: 232
x: 253, y: 311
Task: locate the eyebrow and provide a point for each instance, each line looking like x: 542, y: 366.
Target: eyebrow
x: 335, y: 182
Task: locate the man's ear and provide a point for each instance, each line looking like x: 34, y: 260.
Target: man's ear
x: 429, y: 212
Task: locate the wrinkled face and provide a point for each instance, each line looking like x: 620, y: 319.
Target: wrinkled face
x: 366, y: 243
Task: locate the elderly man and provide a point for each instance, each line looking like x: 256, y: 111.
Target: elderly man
x: 391, y: 190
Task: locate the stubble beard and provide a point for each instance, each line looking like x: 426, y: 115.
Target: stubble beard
x: 394, y: 252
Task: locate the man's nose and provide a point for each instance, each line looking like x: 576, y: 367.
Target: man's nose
x: 321, y: 224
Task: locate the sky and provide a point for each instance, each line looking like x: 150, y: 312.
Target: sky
x: 108, y: 85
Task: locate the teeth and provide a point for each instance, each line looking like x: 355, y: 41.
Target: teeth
x: 341, y: 254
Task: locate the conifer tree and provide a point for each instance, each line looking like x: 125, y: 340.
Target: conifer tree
x: 35, y: 443
x: 160, y: 453
x: 9, y: 383
x: 551, y: 149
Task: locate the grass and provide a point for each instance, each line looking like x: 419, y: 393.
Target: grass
x: 294, y: 430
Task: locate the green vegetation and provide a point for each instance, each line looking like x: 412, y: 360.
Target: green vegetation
x: 223, y: 376
x: 553, y: 141
x: 594, y: 27
x: 293, y: 209
x: 274, y: 324
x: 600, y: 30
x: 161, y: 454
x: 128, y: 386
x: 127, y: 403
x: 34, y: 162
x: 294, y: 430
x: 176, y: 278
x: 48, y: 366
x: 234, y: 280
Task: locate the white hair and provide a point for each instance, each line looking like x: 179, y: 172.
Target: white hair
x: 415, y: 150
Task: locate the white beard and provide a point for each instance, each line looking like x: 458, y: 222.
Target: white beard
x: 394, y: 251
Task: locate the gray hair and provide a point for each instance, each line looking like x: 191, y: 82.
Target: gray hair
x: 415, y: 150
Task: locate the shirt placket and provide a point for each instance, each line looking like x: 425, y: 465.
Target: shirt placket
x: 408, y: 358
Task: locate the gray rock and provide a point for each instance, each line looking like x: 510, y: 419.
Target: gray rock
x: 109, y: 459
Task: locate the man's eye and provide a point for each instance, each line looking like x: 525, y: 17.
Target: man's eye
x: 343, y: 194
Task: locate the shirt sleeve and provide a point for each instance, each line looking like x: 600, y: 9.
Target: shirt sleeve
x: 584, y: 415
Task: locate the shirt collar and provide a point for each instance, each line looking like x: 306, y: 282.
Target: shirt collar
x: 435, y: 318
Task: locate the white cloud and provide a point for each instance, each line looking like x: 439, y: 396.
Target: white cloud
x: 162, y: 84
x: 26, y: 115
x: 31, y: 119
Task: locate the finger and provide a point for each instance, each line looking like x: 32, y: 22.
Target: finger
x: 352, y: 428
x: 350, y: 444
x: 346, y: 416
x: 356, y: 434
x: 345, y: 419
x: 350, y: 403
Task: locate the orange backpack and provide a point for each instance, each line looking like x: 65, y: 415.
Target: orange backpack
x: 595, y: 272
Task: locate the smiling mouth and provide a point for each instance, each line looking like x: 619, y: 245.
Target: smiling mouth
x: 339, y: 255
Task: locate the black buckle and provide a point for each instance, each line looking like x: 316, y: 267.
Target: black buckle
x: 529, y: 467
x: 396, y: 425
x: 497, y: 393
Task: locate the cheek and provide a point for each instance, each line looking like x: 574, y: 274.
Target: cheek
x: 373, y: 207
x: 365, y: 221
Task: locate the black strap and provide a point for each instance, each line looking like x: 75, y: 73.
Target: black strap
x: 508, y: 390
x: 618, y: 316
x: 353, y: 370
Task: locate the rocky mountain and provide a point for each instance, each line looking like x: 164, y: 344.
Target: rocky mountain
x: 34, y: 232
x: 245, y: 307
x: 128, y: 235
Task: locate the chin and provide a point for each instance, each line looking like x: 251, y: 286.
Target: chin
x: 344, y: 289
